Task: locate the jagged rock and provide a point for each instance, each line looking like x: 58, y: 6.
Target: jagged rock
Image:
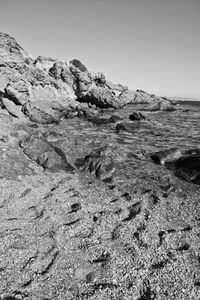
x: 10, y: 50
x: 13, y: 109
x: 136, y: 116
x: 45, y: 154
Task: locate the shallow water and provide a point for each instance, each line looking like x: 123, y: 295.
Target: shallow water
x: 78, y: 137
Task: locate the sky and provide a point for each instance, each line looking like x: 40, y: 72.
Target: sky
x: 153, y: 45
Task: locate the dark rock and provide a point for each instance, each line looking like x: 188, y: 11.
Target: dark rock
x: 114, y: 119
x: 129, y: 127
x: 136, y: 116
x: 185, y: 164
x: 162, y: 157
x: 78, y: 65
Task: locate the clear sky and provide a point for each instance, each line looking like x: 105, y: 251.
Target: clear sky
x: 152, y: 45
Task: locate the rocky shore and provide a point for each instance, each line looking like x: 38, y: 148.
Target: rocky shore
x: 85, y: 212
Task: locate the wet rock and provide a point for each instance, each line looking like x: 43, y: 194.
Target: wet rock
x: 45, y: 154
x: 185, y: 164
x: 136, y: 116
x: 99, y: 162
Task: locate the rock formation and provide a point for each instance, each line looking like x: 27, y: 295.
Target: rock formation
x: 45, y: 89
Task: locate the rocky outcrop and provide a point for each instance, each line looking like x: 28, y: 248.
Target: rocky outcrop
x: 43, y: 87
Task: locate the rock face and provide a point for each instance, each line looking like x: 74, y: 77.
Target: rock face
x: 44, y: 87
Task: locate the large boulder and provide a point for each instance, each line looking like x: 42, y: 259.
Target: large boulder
x: 185, y: 164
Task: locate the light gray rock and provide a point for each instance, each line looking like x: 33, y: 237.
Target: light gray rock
x: 13, y: 109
